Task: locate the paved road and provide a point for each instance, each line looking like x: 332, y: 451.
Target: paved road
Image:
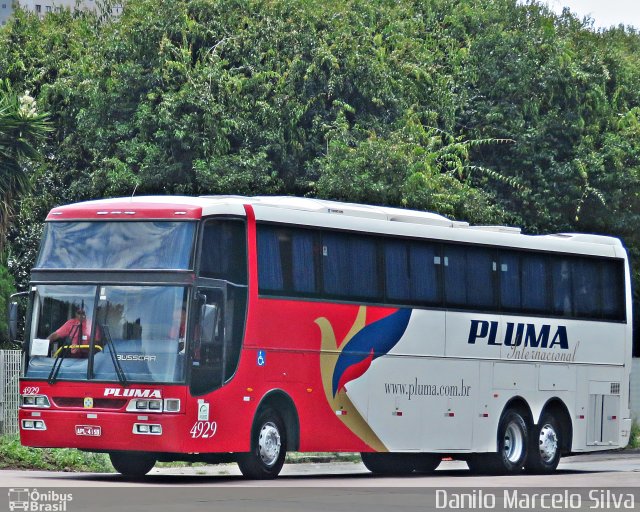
x: 605, y: 470
x: 337, y: 487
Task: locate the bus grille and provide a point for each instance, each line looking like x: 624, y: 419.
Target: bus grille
x: 98, y: 403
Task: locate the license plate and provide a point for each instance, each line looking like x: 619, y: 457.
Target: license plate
x: 88, y: 430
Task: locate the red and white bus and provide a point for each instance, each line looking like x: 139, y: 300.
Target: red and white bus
x: 239, y: 328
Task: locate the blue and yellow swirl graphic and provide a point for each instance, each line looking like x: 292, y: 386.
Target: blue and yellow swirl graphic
x: 346, y: 361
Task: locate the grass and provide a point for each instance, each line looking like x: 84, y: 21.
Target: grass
x: 634, y: 437
x: 299, y: 457
x: 15, y: 456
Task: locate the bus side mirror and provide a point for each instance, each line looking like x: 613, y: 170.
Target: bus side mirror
x: 208, y: 322
x: 13, y: 321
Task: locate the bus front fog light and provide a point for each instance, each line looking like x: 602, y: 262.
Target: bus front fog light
x: 27, y: 424
x: 156, y: 429
x: 39, y: 425
x: 142, y: 428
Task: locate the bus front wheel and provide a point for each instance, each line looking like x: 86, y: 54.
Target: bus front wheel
x: 132, y: 464
x: 545, y: 450
x: 268, y: 448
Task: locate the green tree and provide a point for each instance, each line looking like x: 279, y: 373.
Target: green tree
x: 22, y: 129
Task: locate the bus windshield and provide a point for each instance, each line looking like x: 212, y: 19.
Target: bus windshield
x: 157, y: 245
x: 108, y: 333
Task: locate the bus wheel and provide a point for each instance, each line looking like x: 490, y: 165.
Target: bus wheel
x: 544, y: 452
x: 268, y: 448
x: 132, y: 464
x: 389, y: 463
x: 512, y: 443
x: 512, y: 448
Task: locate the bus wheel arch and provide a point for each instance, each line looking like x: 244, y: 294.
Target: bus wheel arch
x: 283, y: 404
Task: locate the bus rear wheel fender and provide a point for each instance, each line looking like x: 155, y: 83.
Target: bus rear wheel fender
x: 132, y: 464
x: 268, y: 447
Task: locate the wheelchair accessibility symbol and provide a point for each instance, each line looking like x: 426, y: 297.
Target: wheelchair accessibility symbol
x: 262, y: 358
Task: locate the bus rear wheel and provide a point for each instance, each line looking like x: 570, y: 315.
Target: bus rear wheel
x: 132, y: 464
x: 513, y: 442
x: 546, y: 443
x: 268, y: 448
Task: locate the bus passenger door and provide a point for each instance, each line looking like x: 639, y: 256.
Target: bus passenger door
x: 207, y: 346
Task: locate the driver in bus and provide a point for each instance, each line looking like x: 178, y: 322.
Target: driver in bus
x: 74, y: 332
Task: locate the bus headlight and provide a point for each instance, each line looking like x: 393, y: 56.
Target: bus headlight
x: 40, y: 401
x: 169, y: 405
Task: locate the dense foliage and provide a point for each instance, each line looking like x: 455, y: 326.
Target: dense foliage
x: 491, y: 111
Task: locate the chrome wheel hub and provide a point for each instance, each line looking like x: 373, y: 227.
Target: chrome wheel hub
x: 548, y: 443
x: 269, y: 444
x: 513, y: 443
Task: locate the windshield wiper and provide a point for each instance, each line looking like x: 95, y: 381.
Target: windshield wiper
x: 114, y: 356
x: 57, y: 363
x: 61, y: 353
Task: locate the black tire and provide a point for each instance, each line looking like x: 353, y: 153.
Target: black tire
x: 545, y: 448
x: 389, y: 463
x: 427, y: 463
x: 132, y: 464
x: 268, y: 448
x: 513, y: 445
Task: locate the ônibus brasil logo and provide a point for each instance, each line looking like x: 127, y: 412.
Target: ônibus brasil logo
x: 31, y: 500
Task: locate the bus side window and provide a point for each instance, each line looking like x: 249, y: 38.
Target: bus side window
x: 224, y: 248
x: 562, y: 288
x: 412, y: 272
x: 510, y: 289
x: 535, y: 281
x: 586, y: 288
x: 350, y: 266
x: 612, y: 290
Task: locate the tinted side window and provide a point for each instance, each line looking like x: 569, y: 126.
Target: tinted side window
x: 270, y: 274
x: 350, y: 266
x: 613, y: 299
x: 480, y: 277
x: 510, y: 289
x: 469, y: 277
x: 562, y: 279
x: 587, y: 288
x: 535, y: 275
x: 224, y: 251
x: 287, y: 260
x: 412, y: 272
